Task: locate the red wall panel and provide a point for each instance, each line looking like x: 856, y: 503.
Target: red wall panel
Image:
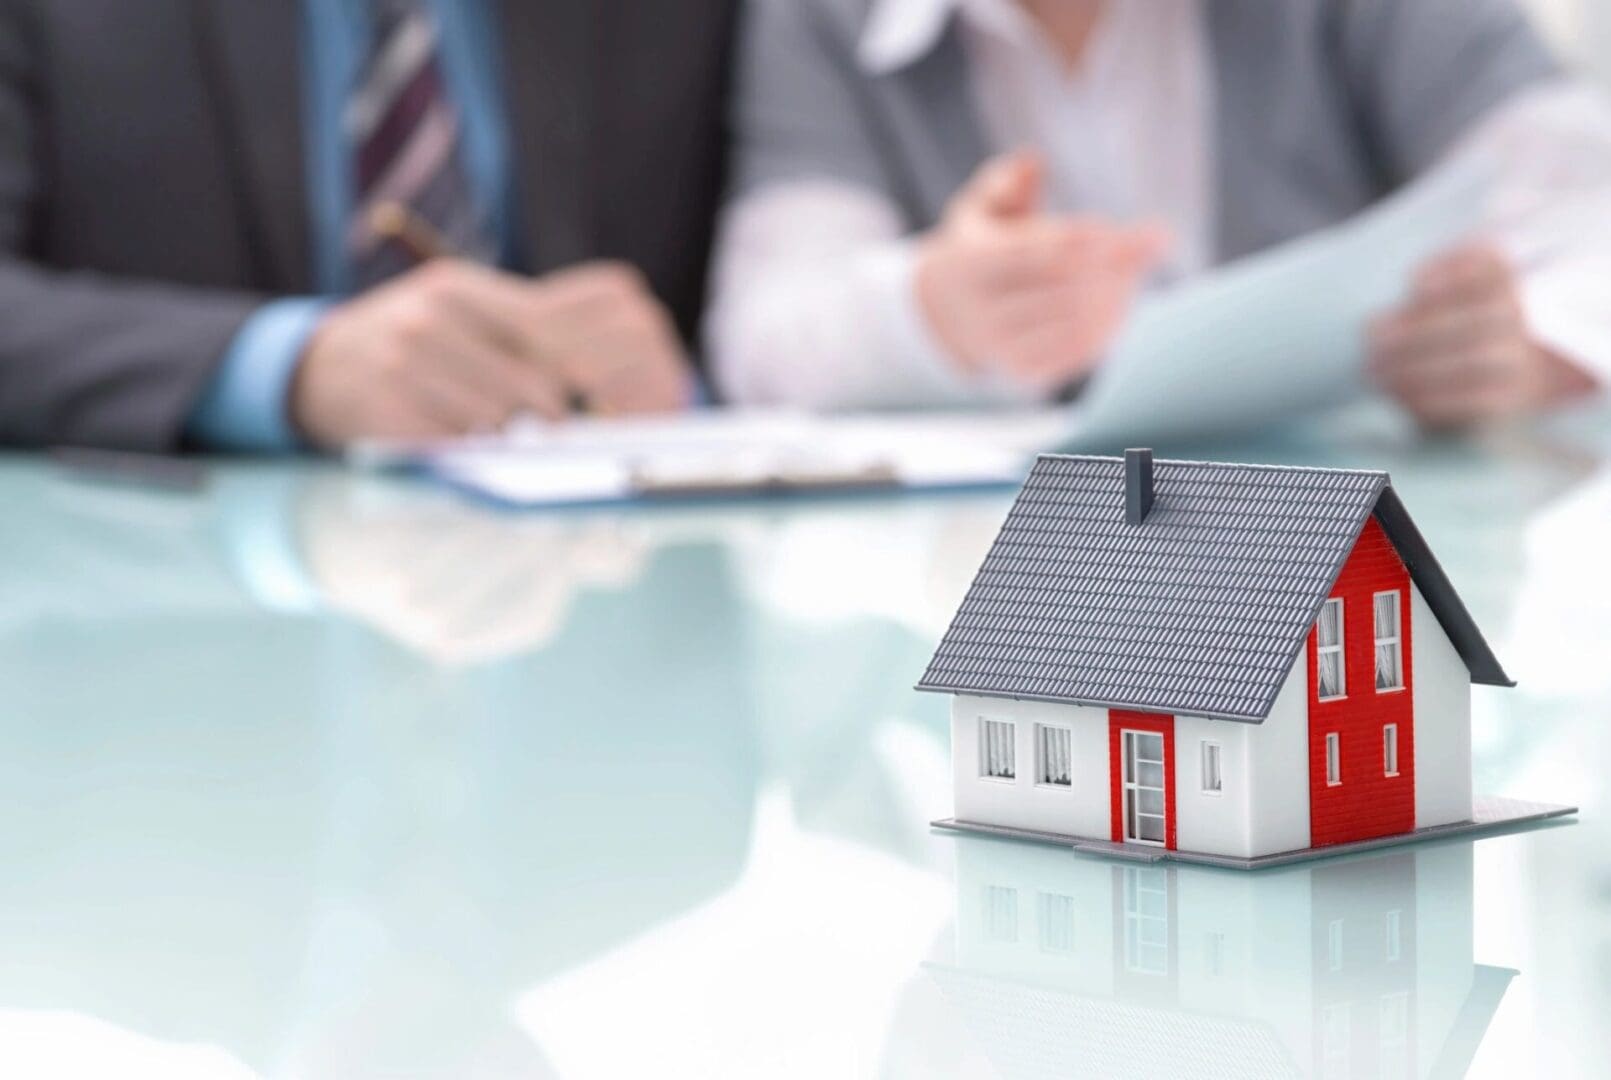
x: 1368, y: 803
x: 1120, y: 720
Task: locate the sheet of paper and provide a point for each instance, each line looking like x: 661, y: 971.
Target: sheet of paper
x: 732, y: 452
x: 1277, y: 335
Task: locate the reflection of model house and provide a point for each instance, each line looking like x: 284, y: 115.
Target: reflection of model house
x: 1239, y: 663
x: 1091, y: 968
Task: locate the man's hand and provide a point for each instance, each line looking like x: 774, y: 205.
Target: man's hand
x: 613, y: 343
x: 453, y: 348
x: 1038, y: 298
x: 1459, y: 352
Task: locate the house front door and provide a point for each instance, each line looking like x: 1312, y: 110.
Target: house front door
x: 1142, y: 749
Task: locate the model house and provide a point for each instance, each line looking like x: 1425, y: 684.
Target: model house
x: 1230, y: 663
x: 1080, y: 967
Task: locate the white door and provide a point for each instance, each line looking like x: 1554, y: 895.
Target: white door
x: 1144, y: 788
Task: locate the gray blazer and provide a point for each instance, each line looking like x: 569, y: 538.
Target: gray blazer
x: 152, y: 187
x: 1323, y: 106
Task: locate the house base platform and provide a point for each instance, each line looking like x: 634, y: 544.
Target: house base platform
x: 1490, y: 815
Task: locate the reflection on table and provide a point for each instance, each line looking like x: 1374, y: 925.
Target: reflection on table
x: 1068, y: 965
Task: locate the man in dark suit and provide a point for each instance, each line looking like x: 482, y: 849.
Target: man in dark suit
x: 211, y: 212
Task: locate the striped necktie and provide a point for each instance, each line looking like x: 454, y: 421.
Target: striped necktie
x: 407, y: 144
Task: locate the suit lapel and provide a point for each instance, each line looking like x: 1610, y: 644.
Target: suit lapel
x: 938, y: 128
x: 250, y: 51
x: 550, y: 61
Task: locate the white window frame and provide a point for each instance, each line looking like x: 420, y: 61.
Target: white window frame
x: 1212, y: 751
x: 1397, y: 641
x: 1321, y: 650
x: 1040, y: 756
x: 1011, y: 726
x: 1389, y: 749
x: 1334, y: 776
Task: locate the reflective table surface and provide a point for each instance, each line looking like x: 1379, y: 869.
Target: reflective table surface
x: 320, y: 775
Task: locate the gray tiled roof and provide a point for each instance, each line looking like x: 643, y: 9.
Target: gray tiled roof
x: 1201, y: 609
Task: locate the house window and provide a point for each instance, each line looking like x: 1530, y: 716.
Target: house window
x: 1056, y: 923
x: 1001, y: 913
x: 998, y: 757
x: 1390, y: 749
x: 1333, y: 759
x: 1394, y: 935
x: 1333, y: 678
x: 1213, y: 778
x: 1389, y: 643
x: 1053, y: 751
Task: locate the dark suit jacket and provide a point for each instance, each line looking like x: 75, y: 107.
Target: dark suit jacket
x: 152, y: 184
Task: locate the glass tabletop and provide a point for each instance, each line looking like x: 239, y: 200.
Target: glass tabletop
x: 314, y: 774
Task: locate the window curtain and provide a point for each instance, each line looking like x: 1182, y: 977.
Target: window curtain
x: 1389, y: 674
x: 1055, y: 752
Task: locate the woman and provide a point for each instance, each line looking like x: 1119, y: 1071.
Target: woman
x: 950, y: 201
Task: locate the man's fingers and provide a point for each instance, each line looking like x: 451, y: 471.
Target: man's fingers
x: 632, y: 372
x: 501, y: 372
x: 505, y: 312
x: 398, y: 413
x: 458, y: 406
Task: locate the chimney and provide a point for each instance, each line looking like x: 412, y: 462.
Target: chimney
x: 1137, y: 485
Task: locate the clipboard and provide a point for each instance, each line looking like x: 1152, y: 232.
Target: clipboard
x: 733, y: 454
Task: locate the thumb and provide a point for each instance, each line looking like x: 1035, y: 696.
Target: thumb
x: 1007, y: 187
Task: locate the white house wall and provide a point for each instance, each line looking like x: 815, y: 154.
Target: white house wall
x: 1278, y: 770
x: 1263, y: 807
x: 1082, y: 809
x: 1215, y: 824
x: 1442, y: 700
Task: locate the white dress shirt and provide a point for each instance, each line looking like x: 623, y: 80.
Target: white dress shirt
x: 815, y: 301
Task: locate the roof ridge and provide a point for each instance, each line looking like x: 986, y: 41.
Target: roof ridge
x: 1244, y: 466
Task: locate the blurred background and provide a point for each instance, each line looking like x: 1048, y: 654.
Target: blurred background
x: 1581, y: 29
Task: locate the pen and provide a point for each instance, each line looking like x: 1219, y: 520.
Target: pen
x: 402, y: 226
x: 395, y: 222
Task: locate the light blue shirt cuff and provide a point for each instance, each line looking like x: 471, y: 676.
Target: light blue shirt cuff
x: 244, y: 407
